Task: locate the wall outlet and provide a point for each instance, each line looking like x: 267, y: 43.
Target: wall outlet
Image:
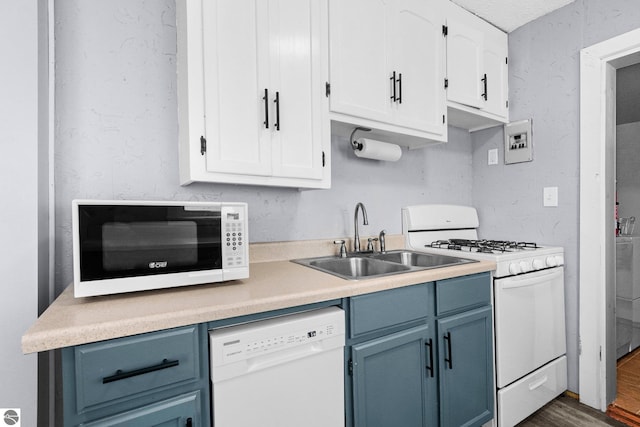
x: 550, y: 196
x: 492, y: 156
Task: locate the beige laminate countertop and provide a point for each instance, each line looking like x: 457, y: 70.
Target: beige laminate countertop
x: 272, y: 285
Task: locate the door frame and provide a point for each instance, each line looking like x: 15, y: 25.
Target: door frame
x: 597, y: 228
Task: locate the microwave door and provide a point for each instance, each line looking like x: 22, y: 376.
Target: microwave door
x: 129, y: 241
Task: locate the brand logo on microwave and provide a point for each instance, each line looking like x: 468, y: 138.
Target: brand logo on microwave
x: 158, y: 264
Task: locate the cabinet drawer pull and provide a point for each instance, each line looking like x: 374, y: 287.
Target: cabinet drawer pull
x: 484, y: 80
x: 429, y: 345
x: 121, y: 375
x: 277, y: 102
x: 265, y: 98
x: 393, y: 81
x: 448, y: 360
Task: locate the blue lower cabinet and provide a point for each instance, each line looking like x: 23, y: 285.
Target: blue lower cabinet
x: 429, y: 365
x: 394, y: 380
x: 153, y: 379
x: 181, y: 411
x: 466, y: 368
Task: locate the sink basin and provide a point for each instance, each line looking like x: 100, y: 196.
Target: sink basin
x: 418, y: 259
x: 356, y: 267
x: 363, y: 266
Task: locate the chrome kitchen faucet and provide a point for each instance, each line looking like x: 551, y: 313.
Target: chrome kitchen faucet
x: 356, y: 239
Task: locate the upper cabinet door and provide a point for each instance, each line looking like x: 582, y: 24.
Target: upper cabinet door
x: 251, y: 92
x: 360, y: 70
x: 418, y: 59
x: 465, y: 70
x: 236, y: 73
x: 299, y: 69
x: 496, y: 67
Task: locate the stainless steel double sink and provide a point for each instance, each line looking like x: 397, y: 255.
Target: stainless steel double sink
x: 368, y: 265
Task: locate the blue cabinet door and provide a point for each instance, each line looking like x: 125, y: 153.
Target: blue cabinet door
x: 395, y: 380
x: 465, y: 365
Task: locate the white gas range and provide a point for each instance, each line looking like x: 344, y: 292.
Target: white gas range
x: 529, y: 319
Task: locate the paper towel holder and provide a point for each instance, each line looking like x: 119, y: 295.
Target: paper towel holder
x: 354, y: 144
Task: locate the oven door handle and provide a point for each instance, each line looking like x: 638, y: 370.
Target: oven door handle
x: 527, y: 280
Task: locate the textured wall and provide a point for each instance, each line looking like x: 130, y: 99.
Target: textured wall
x: 116, y: 137
x: 544, y: 84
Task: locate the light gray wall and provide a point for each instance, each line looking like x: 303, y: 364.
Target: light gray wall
x: 544, y: 85
x: 628, y: 170
x: 628, y: 94
x: 116, y: 137
x: 19, y: 193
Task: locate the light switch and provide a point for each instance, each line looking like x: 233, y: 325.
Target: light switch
x: 550, y: 196
x: 493, y: 156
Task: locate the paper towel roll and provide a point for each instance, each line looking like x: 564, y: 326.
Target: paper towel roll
x: 377, y: 150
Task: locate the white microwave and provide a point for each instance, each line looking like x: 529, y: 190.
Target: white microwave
x: 125, y: 246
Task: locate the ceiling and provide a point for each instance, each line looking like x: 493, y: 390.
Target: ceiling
x: 511, y: 14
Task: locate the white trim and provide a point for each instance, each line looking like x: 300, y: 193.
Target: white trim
x: 596, y: 226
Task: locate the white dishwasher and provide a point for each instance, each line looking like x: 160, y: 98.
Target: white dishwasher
x: 280, y: 372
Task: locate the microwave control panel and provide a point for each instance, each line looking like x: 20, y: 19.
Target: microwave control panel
x: 234, y: 237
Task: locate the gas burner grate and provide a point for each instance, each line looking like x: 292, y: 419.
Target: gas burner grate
x: 483, y: 246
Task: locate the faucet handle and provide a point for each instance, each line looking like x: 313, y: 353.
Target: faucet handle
x: 383, y: 246
x: 370, y: 244
x: 343, y: 248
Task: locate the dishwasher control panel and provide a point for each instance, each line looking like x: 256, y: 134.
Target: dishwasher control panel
x: 255, y: 339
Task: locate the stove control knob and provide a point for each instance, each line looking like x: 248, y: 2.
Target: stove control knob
x: 551, y: 261
x: 514, y: 268
x: 525, y: 266
x: 538, y: 264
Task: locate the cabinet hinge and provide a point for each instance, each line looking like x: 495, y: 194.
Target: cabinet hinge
x: 507, y: 103
x: 506, y: 59
x: 203, y: 145
x: 323, y: 163
x: 327, y: 89
x: 445, y: 30
x: 446, y: 83
x: 350, y: 367
x: 443, y: 119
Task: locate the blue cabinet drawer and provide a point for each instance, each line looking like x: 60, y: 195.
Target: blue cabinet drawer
x: 462, y: 293
x: 388, y: 309
x: 123, y: 367
x: 178, y: 411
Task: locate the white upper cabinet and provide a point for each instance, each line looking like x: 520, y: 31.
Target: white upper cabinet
x: 251, y: 92
x: 387, y: 68
x: 477, y: 67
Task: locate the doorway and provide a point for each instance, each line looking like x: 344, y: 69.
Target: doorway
x: 598, y: 65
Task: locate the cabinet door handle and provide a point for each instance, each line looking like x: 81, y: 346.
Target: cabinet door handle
x: 277, y: 102
x: 121, y: 375
x: 399, y: 88
x: 266, y: 108
x: 448, y: 360
x: 189, y: 422
x: 484, y: 80
x: 429, y: 345
x: 393, y: 82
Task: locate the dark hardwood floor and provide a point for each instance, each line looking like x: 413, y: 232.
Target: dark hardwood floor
x: 566, y: 411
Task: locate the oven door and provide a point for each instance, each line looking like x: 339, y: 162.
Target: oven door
x: 529, y: 322
x: 124, y: 241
